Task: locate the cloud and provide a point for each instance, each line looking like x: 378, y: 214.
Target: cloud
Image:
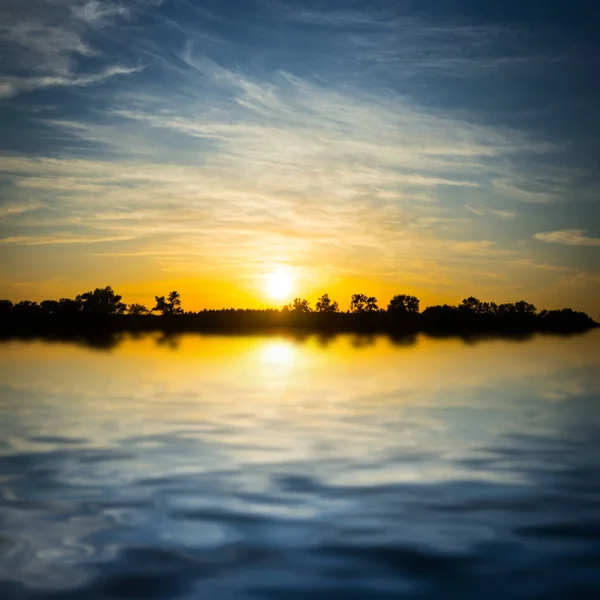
x: 41, y: 36
x: 482, y: 211
x: 299, y: 131
x: 96, y: 12
x: 224, y: 167
x: 42, y: 42
x: 530, y: 263
x: 7, y: 210
x: 412, y: 43
x: 10, y: 86
x: 481, y: 248
x: 58, y: 239
x: 569, y: 237
x: 546, y: 188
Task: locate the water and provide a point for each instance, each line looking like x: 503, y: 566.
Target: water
x: 257, y: 467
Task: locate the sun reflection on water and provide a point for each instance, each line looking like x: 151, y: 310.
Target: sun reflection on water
x: 278, y: 353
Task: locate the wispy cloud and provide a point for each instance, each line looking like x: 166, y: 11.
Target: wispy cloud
x: 45, y: 40
x: 100, y: 12
x: 531, y: 263
x: 482, y: 211
x: 284, y: 169
x: 10, y: 86
x: 41, y: 36
x: 412, y: 43
x: 569, y: 237
x: 6, y: 210
x: 58, y: 239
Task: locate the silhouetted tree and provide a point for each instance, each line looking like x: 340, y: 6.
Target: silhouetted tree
x: 401, y: 303
x: 102, y: 301
x: 169, y: 306
x: 363, y: 304
x: 471, y: 304
x: 326, y: 305
x: 25, y: 308
x: 299, y: 305
x: 440, y: 309
x: 137, y: 309
x: 525, y: 308
x: 50, y: 307
x: 477, y: 307
x: 5, y: 307
x: 440, y: 317
x: 69, y: 307
x: 565, y: 319
x: 506, y: 309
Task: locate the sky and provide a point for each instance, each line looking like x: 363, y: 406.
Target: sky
x: 442, y: 148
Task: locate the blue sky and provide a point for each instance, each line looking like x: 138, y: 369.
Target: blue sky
x: 443, y: 148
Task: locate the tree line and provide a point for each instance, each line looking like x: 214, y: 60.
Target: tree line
x: 100, y: 302
x: 104, y: 301
x: 364, y: 313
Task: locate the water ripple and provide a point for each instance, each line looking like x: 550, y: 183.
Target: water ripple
x: 331, y: 483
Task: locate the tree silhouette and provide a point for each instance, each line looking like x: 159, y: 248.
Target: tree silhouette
x: 299, y: 305
x: 5, y: 307
x: 102, y: 301
x: 363, y: 304
x: 477, y: 307
x: 137, y: 309
x: 444, y: 311
x: 525, y: 308
x: 506, y: 309
x: 169, y: 306
x: 50, y: 307
x: 68, y: 306
x: 326, y: 305
x: 26, y: 308
x: 401, y: 303
x: 470, y: 304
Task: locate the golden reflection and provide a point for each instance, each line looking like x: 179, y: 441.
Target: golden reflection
x: 278, y: 353
x: 146, y: 386
x: 349, y: 371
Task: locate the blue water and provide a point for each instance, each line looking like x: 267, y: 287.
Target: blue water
x: 256, y: 467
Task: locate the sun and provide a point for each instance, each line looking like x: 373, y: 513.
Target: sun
x: 279, y: 284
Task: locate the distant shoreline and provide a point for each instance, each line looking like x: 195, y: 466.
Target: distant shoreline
x: 267, y: 321
x: 101, y: 312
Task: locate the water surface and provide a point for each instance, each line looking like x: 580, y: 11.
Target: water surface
x: 265, y: 467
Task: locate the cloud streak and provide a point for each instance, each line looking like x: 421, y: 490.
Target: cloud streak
x: 568, y: 237
x: 11, y: 86
x: 482, y: 211
x: 50, y: 240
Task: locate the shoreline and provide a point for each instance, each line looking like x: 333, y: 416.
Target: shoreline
x: 277, y: 323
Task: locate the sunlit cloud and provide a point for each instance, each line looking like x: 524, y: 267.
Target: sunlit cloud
x: 482, y: 211
x: 530, y: 263
x: 46, y: 240
x: 6, y: 210
x: 569, y: 237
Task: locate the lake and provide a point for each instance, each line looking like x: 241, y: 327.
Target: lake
x: 278, y: 468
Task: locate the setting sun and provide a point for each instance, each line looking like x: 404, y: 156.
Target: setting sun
x: 279, y: 284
